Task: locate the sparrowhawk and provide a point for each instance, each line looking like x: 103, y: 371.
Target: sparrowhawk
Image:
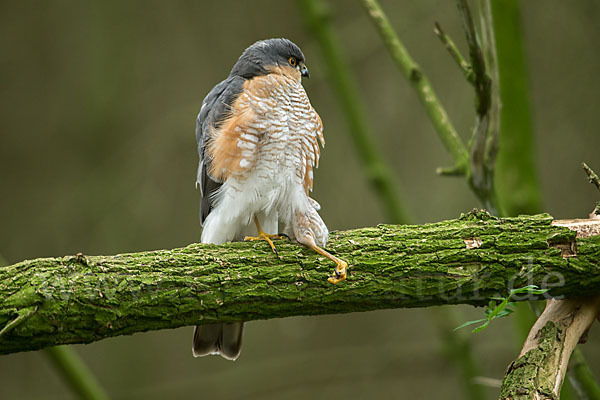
x: 258, y: 141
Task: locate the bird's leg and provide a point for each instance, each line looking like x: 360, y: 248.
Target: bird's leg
x: 341, y: 266
x: 263, y: 236
x: 309, y: 229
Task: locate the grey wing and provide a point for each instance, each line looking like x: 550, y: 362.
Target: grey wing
x: 215, y: 108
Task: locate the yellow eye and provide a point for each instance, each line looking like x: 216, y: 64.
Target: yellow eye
x: 293, y: 61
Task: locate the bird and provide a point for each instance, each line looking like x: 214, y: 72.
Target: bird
x: 258, y: 140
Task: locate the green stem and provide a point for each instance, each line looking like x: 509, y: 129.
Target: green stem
x: 458, y: 349
x: 378, y: 172
x: 516, y: 177
x: 592, y: 176
x: 582, y: 378
x: 455, y: 53
x: 409, y: 68
x: 76, y: 373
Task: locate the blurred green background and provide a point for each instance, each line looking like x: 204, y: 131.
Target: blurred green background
x: 98, y: 101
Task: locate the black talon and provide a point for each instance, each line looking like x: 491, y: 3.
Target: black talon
x: 283, y: 234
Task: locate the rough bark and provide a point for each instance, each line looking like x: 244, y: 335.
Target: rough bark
x: 539, y: 371
x: 80, y: 299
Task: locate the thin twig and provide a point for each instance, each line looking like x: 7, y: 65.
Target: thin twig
x: 592, y: 176
x: 481, y: 178
x: 455, y: 53
x: 378, y: 172
x: 76, y: 373
x: 482, y: 80
x: 449, y: 171
x: 411, y: 70
x: 488, y: 43
x: 468, y: 163
x: 582, y: 378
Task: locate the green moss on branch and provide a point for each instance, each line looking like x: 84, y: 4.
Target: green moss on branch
x: 79, y: 299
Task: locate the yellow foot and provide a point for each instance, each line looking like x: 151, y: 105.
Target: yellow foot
x: 266, y: 237
x: 341, y: 268
x: 339, y: 273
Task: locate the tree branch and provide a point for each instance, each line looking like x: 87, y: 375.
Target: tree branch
x: 481, y: 165
x: 449, y: 44
x: 476, y: 162
x: 539, y: 371
x: 582, y: 378
x: 412, y: 72
x: 81, y: 299
x: 516, y: 176
x: 488, y: 44
x: 377, y: 170
x: 76, y: 373
x: 592, y: 176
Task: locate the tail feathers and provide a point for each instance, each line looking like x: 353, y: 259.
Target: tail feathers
x: 222, y: 339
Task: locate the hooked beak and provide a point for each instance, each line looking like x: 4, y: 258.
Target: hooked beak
x: 304, y: 71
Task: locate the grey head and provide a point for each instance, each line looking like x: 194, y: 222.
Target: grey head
x: 262, y: 56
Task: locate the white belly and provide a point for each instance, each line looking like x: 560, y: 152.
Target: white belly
x: 272, y: 183
x: 272, y: 191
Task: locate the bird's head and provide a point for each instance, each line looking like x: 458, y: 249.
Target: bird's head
x: 271, y: 56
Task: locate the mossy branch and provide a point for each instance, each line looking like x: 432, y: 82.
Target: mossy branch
x: 81, y: 299
x: 76, y: 373
x: 539, y: 371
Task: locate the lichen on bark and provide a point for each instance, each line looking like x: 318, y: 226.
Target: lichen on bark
x: 525, y: 378
x: 80, y: 299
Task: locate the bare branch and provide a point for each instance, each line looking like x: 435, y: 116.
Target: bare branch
x: 592, y: 176
x: 455, y: 53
